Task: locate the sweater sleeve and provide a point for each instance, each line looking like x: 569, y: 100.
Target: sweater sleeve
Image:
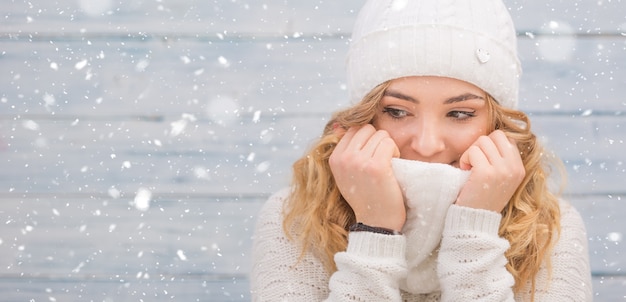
x: 369, y: 270
x: 571, y: 275
x: 278, y: 273
x: 472, y: 265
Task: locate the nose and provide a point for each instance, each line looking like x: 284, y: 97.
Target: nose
x: 428, y: 140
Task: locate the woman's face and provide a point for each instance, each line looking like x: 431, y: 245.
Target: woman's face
x: 433, y: 119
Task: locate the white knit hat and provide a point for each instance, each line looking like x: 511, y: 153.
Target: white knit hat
x: 469, y: 40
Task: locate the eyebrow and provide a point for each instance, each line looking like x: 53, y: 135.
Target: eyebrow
x: 398, y: 95
x: 463, y: 97
x: 452, y: 100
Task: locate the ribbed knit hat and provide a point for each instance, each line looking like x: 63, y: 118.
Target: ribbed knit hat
x: 469, y: 40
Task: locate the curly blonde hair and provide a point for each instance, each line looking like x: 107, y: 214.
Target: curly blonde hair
x: 318, y: 217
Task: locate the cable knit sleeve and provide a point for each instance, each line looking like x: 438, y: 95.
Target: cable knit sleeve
x: 571, y: 275
x: 472, y: 265
x: 277, y: 273
x: 369, y: 270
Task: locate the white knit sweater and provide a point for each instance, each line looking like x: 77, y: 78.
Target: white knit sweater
x: 469, y: 264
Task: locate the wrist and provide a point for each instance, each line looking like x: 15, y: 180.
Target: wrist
x: 394, y: 221
x: 361, y: 227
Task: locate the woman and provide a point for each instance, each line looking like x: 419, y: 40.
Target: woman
x: 432, y: 186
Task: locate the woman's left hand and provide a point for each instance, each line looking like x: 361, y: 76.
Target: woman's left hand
x: 496, y: 172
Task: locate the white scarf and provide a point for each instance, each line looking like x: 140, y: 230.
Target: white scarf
x: 429, y: 189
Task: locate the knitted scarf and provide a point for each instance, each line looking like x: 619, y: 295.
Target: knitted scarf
x: 429, y: 189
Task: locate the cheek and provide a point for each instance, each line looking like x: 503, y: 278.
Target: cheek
x: 463, y: 137
x: 396, y: 131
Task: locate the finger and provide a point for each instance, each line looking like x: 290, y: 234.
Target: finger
x: 506, y: 146
x: 344, y: 142
x: 472, y: 157
x: 361, y: 137
x: 374, y: 142
x: 516, y: 152
x: 489, y: 149
x: 396, y: 150
x: 338, y: 130
x: 512, y: 160
x: 387, y: 148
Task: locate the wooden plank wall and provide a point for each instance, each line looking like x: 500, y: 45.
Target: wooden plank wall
x: 138, y: 139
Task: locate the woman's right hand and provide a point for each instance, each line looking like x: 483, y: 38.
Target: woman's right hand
x: 361, y: 165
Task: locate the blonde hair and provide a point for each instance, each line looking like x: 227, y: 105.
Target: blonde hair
x: 317, y: 216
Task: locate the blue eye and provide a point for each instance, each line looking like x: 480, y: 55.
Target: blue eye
x: 395, y: 113
x: 462, y: 115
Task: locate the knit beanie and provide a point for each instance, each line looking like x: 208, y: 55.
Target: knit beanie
x: 470, y: 40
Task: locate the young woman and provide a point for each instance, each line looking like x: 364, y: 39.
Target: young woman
x: 432, y: 187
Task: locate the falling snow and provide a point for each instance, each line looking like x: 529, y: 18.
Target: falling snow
x: 223, y: 110
x: 80, y: 65
x: 140, y: 139
x: 95, y: 8
x: 181, y: 255
x: 143, y: 199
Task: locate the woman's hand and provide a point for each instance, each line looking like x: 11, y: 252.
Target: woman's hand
x: 496, y: 172
x: 361, y: 165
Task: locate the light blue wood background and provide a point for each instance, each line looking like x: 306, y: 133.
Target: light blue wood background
x: 204, y: 105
